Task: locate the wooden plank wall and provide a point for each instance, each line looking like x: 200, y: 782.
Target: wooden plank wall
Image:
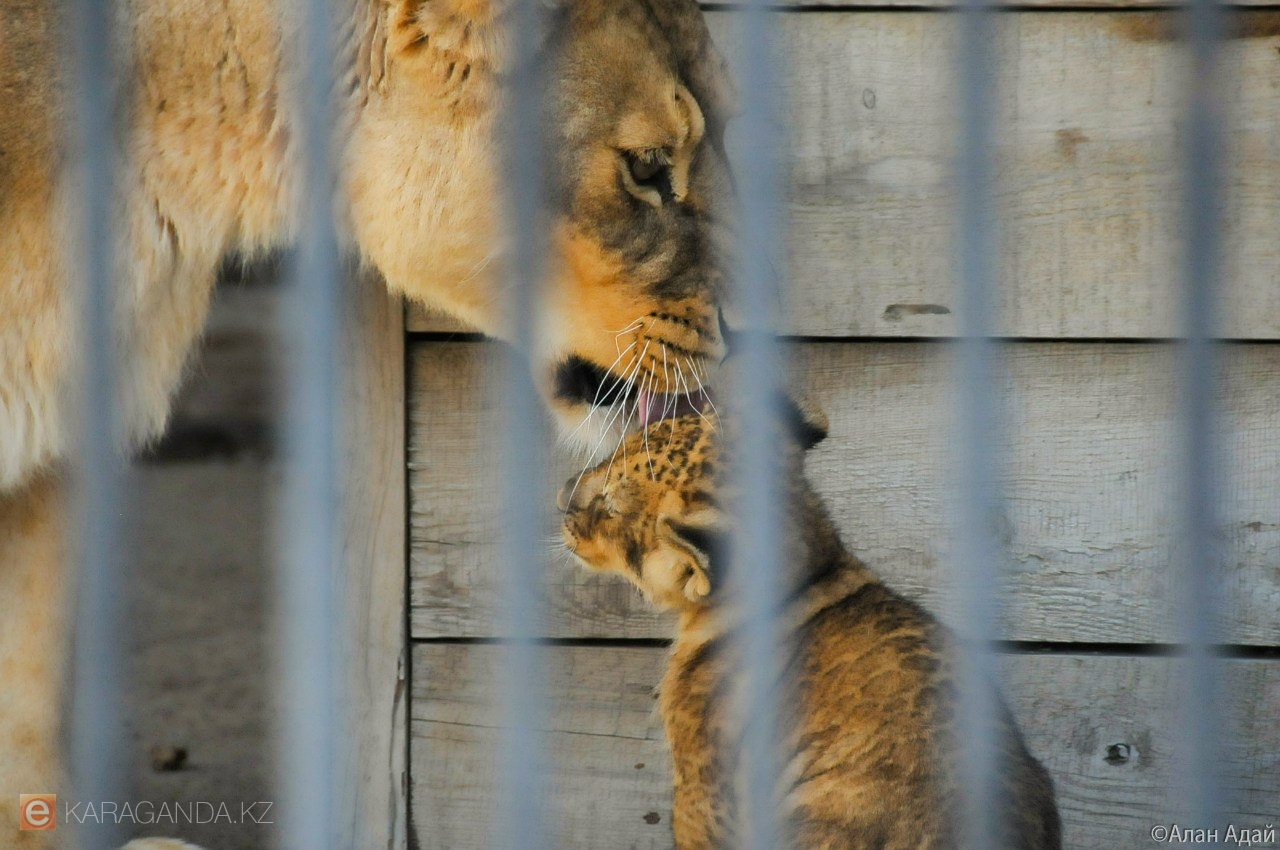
x: 373, y: 756
x: 1088, y: 170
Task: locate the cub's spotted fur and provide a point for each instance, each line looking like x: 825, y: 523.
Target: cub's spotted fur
x: 869, y: 762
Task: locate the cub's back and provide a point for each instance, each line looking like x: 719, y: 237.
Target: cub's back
x: 876, y: 675
x: 867, y: 722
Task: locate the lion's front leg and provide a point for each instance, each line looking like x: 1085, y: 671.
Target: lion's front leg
x: 33, y: 603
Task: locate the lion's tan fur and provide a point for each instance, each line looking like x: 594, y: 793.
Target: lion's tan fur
x: 205, y: 168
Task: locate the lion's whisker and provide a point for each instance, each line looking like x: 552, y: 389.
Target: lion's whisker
x: 621, y: 406
x: 622, y: 436
x: 689, y: 392
x: 652, y: 475
x: 637, y: 322
x: 672, y: 404
x: 702, y: 389
x: 595, y: 405
x: 626, y: 422
x: 607, y: 425
x: 622, y: 441
x: 665, y: 379
x: 632, y: 364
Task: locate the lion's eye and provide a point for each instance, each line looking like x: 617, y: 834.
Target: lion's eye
x: 650, y: 170
x: 644, y: 170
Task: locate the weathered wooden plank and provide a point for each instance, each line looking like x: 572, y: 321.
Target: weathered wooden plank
x: 373, y: 539
x: 1105, y: 727
x: 1089, y: 172
x: 827, y: 5
x: 1091, y: 479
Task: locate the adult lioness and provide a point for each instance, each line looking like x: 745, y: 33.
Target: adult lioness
x: 633, y: 116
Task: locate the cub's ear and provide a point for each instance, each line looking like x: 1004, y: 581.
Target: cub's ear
x: 803, y: 420
x: 702, y: 537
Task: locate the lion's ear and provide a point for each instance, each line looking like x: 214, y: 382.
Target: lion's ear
x: 468, y: 28
x: 476, y: 12
x: 412, y: 26
x: 702, y: 67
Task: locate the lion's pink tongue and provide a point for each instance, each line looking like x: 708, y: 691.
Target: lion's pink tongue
x: 652, y: 407
x: 647, y: 404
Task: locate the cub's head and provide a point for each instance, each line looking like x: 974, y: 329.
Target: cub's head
x: 633, y: 114
x: 660, y: 512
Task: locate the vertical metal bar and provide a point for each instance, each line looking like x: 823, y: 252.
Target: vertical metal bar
x: 310, y: 618
x: 978, y: 397
x: 758, y: 547
x: 523, y: 761
x: 1198, y: 369
x: 97, y: 758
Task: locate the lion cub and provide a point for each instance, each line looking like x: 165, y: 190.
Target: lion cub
x: 868, y: 763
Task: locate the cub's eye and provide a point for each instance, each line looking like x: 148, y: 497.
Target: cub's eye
x: 650, y: 174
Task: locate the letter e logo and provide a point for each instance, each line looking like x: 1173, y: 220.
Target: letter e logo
x: 38, y: 811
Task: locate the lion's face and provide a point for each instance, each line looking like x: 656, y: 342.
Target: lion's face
x: 632, y: 323
x: 637, y: 186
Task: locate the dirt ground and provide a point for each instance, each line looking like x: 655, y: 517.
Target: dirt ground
x: 198, y: 550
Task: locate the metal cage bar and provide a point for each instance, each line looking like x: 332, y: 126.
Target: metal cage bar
x: 98, y: 680
x: 310, y: 617
x: 523, y: 759
x: 1197, y: 380
x: 977, y: 500
x: 757, y: 547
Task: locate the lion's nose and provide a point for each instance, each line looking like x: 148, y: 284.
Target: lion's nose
x: 566, y: 493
